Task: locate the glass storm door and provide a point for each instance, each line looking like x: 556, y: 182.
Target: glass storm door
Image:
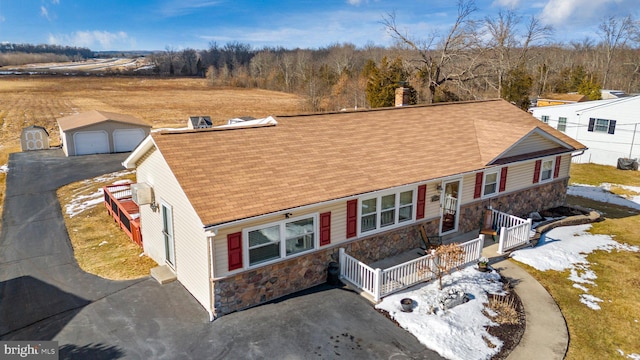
x: 449, y: 219
x: 167, y: 232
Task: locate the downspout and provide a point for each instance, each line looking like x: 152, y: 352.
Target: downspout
x: 211, y: 268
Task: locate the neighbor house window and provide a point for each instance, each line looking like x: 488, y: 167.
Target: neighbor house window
x: 562, y: 124
x: 546, y: 170
x: 545, y: 119
x: 386, y: 210
x: 490, y: 183
x: 602, y: 125
x: 279, y: 240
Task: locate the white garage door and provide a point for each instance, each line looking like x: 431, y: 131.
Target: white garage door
x: 127, y: 139
x: 91, y: 142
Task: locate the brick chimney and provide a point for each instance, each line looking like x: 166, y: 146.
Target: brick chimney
x: 402, y: 96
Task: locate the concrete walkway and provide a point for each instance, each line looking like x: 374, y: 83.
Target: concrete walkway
x: 546, y: 335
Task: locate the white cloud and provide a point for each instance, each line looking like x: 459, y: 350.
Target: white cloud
x: 44, y: 12
x: 354, y: 2
x: 96, y: 39
x: 55, y: 2
x: 579, y: 12
x: 184, y: 7
x: 512, y: 4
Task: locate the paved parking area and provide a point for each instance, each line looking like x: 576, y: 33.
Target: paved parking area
x: 44, y: 295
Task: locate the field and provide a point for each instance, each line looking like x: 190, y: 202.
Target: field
x: 40, y: 100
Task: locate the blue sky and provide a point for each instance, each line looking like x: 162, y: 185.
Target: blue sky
x: 157, y: 24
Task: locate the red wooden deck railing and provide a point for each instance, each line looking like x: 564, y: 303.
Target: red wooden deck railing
x: 117, y: 199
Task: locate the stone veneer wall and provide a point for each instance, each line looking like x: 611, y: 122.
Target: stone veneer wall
x: 520, y: 203
x: 269, y: 282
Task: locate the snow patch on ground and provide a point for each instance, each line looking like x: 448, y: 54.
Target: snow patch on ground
x: 602, y: 193
x: 82, y: 202
x: 457, y: 333
x: 4, y: 169
x: 567, y: 248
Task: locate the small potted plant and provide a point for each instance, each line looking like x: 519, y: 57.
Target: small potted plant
x: 483, y: 264
x: 407, y: 304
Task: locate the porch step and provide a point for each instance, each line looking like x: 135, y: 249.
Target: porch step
x: 357, y: 290
x: 163, y: 274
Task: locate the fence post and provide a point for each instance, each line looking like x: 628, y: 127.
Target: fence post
x: 377, y: 284
x: 503, y: 238
x: 480, y: 247
x: 341, y: 262
x: 528, y: 233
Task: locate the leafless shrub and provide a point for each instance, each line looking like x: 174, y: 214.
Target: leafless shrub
x: 504, y: 308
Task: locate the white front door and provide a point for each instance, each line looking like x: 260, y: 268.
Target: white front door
x: 167, y: 232
x: 450, y: 207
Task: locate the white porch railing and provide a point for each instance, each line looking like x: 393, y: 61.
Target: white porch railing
x: 514, y: 231
x: 379, y: 283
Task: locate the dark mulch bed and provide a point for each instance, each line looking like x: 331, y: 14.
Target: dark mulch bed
x: 509, y: 334
x: 561, y: 211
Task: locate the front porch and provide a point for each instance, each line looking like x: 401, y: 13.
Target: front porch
x: 392, y: 274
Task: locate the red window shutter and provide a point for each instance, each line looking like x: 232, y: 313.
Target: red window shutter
x: 503, y: 179
x: 422, y: 201
x: 478, y: 190
x: 556, y: 171
x: 234, y: 250
x: 536, y: 172
x: 325, y: 228
x: 352, y: 218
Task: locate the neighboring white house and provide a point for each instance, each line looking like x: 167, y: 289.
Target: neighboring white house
x: 609, y: 128
x: 244, y: 215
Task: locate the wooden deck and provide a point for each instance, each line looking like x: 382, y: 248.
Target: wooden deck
x: 125, y: 212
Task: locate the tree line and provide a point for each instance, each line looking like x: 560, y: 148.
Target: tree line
x: 505, y: 55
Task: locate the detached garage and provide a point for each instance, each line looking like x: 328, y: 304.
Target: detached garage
x: 101, y: 132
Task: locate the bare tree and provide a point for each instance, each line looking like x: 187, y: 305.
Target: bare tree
x: 508, y: 45
x: 615, y: 32
x: 452, y: 57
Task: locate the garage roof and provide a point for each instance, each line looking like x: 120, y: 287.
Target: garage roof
x: 94, y: 116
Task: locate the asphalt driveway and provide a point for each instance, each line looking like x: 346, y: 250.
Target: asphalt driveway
x: 44, y: 295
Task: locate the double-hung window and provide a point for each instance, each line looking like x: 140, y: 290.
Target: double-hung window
x: 602, y: 125
x: 545, y: 119
x: 386, y: 210
x: 490, y: 184
x: 281, y: 239
x: 546, y: 172
x: 562, y: 124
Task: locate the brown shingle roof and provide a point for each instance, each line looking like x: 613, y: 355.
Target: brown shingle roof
x: 306, y: 159
x: 95, y: 116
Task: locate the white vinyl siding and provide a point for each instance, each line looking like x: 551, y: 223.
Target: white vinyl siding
x: 533, y: 143
x: 191, y: 251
